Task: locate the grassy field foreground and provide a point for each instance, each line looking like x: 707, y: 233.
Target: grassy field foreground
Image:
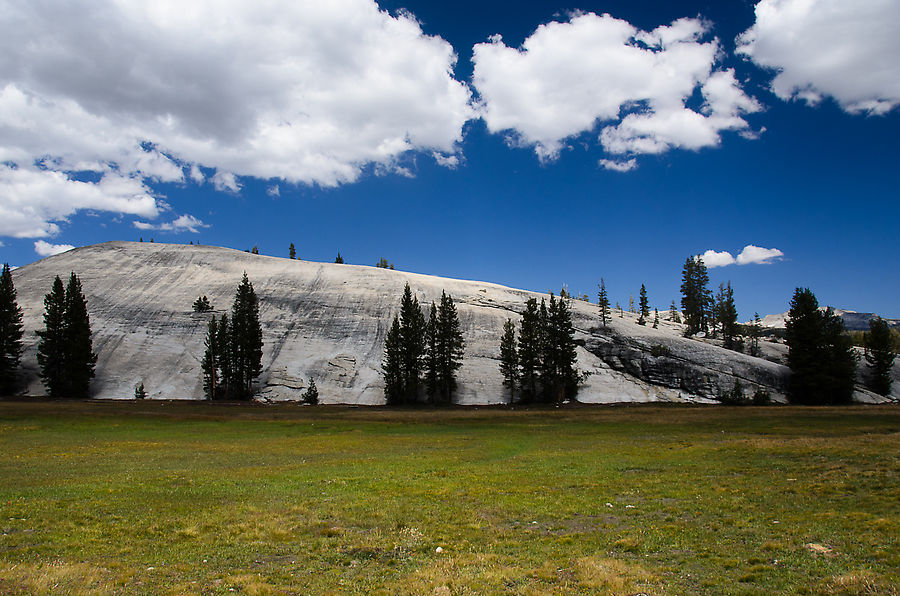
x: 203, y: 498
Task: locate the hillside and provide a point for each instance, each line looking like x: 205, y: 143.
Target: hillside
x: 329, y: 321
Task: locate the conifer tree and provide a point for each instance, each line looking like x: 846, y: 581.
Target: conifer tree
x: 255, y: 250
x: 222, y: 354
x: 382, y: 263
x: 392, y: 365
x: 450, y: 346
x: 10, y: 332
x: 673, y: 313
x: 631, y: 304
x: 644, y: 306
x: 728, y: 317
x: 755, y: 332
x: 245, y: 343
x: 561, y: 377
x: 656, y: 318
x: 201, y: 304
x: 432, y: 358
x: 412, y: 342
x: 311, y: 395
x: 51, y: 351
x: 530, y: 340
x: 140, y: 392
x: 80, y: 358
x: 619, y: 308
x: 603, y: 303
x: 696, y: 298
x: 820, y: 355
x: 210, y: 363
x: 509, y: 359
x: 292, y: 252
x: 880, y: 355
x: 339, y: 259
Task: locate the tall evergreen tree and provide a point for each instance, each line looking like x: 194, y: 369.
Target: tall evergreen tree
x: 509, y: 358
x: 292, y: 252
x: 880, y: 355
x: 432, y: 354
x: 673, y: 313
x: 755, y: 332
x: 210, y: 363
x: 530, y: 349
x: 222, y: 353
x: 561, y: 377
x: 644, y: 306
x: 696, y: 298
x: 10, y: 332
x: 603, y: 303
x: 245, y: 340
x: 51, y: 351
x: 728, y: 316
x: 80, y: 358
x: 412, y: 342
x: 392, y: 365
x: 450, y: 348
x: 820, y: 356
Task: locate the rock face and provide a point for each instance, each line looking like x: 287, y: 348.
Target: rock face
x: 328, y: 322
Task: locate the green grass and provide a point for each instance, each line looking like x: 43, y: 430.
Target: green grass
x: 204, y: 498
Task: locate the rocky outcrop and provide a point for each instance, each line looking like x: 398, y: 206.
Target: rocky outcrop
x: 328, y: 322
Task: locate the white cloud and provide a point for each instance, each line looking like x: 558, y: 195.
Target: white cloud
x: 714, y: 259
x: 183, y: 223
x: 750, y: 255
x: 846, y: 50
x: 759, y: 256
x: 618, y: 166
x: 32, y: 200
x: 45, y: 249
x: 307, y: 92
x: 568, y: 76
x: 273, y: 191
x: 226, y: 181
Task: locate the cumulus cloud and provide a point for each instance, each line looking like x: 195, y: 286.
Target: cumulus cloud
x: 46, y: 249
x: 307, y: 92
x: 846, y: 50
x: 274, y: 191
x: 184, y: 223
x: 568, y: 76
x: 758, y: 255
x: 749, y: 255
x: 618, y: 166
x: 226, y: 181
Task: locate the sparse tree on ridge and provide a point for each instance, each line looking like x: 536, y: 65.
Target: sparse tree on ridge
x: 140, y: 392
x: 880, y: 355
x: 292, y: 252
x: 631, y: 304
x: 254, y: 250
x: 644, y: 306
x: 339, y: 259
x: 673, y: 313
x: 509, y: 358
x: 755, y: 332
x: 11, y: 332
x: 603, y: 303
x: 656, y: 318
x: 382, y: 263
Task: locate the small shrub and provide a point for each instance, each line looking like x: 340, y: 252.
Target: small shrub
x: 139, y: 392
x: 761, y: 397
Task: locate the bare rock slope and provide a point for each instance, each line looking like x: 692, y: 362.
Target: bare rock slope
x: 329, y: 321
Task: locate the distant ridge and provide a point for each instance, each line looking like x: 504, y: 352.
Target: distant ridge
x: 853, y: 321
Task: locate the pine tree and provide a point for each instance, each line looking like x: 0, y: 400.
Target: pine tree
x: 509, y: 359
x: 820, y: 355
x: 292, y: 252
x: 432, y: 358
x: 311, y: 395
x: 51, y: 351
x: 80, y: 359
x: 450, y: 346
x: 245, y: 340
x: 631, y: 304
x: 561, y: 377
x: 392, y: 365
x: 619, y: 308
x: 339, y: 259
x: 382, y: 263
x: 529, y: 354
x: 201, y: 304
x: 255, y: 250
x: 412, y: 342
x: 880, y: 355
x: 222, y: 354
x: 656, y: 318
x: 140, y: 392
x: 10, y: 332
x: 696, y: 298
x: 210, y: 363
x: 728, y: 317
x: 673, y: 313
x: 603, y: 303
x: 755, y: 332
x: 644, y: 306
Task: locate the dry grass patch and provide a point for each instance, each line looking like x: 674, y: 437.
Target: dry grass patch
x: 614, y: 576
x: 57, y: 577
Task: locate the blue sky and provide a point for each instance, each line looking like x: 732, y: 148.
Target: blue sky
x: 589, y: 140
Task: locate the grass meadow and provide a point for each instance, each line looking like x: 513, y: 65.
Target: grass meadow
x: 198, y: 498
